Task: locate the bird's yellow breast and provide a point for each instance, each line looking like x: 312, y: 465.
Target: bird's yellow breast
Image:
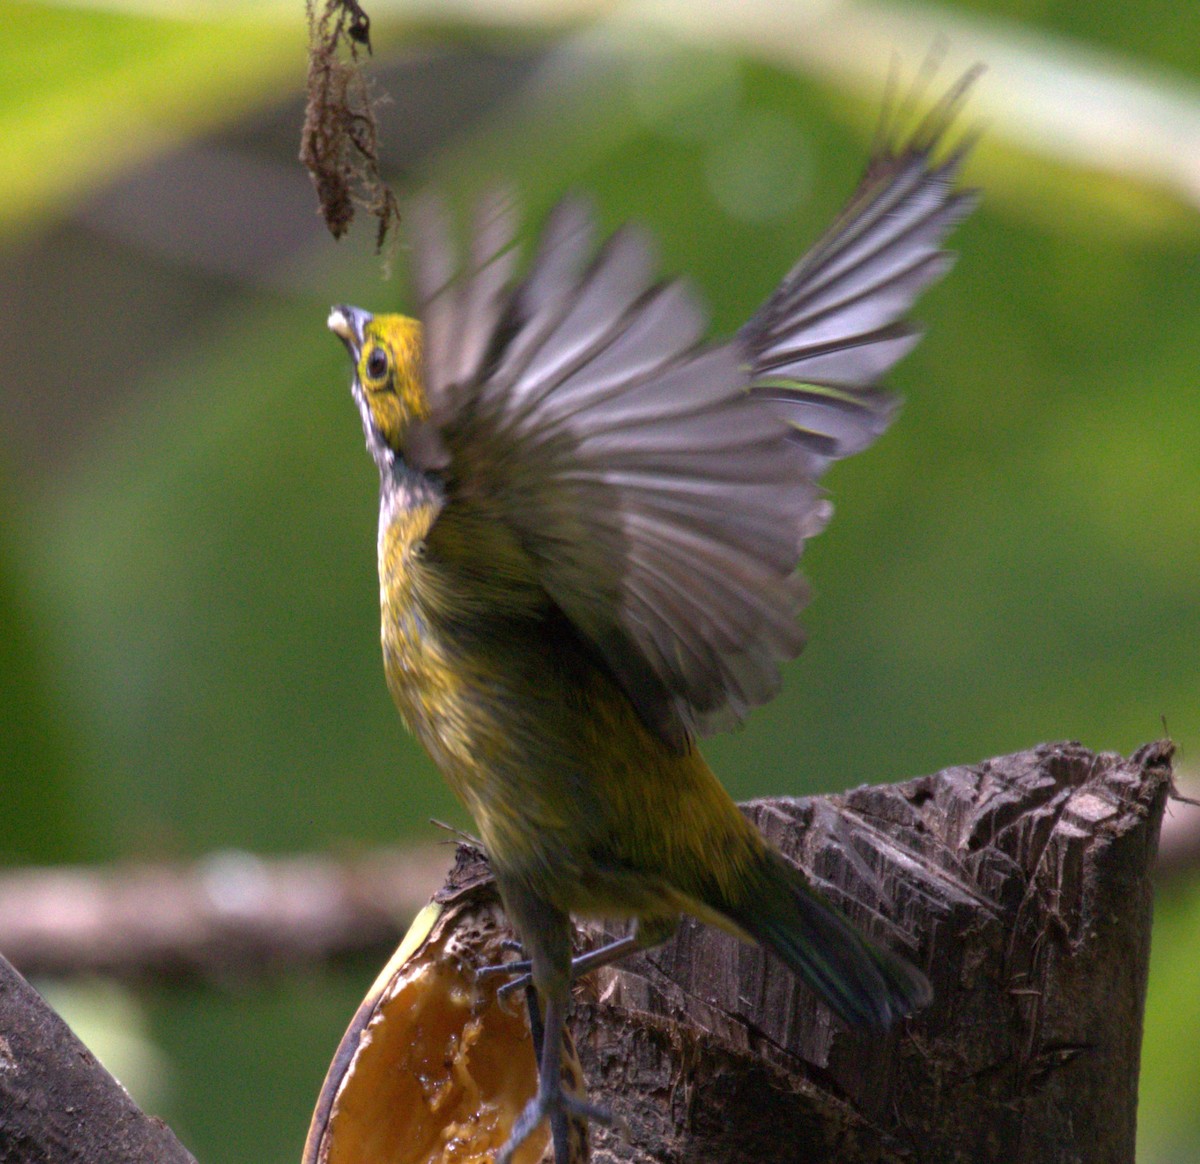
x: 567, y: 785
x: 455, y: 597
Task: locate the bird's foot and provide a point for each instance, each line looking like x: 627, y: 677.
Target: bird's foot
x: 507, y: 969
x: 558, y: 1107
x: 520, y: 972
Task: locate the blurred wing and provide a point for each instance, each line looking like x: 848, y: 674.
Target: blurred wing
x: 461, y: 312
x: 663, y: 508
x: 819, y: 346
x: 663, y: 489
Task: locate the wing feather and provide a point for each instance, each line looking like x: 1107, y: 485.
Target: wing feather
x: 661, y: 489
x: 594, y: 316
x: 482, y: 291
x: 819, y: 346
x: 434, y: 268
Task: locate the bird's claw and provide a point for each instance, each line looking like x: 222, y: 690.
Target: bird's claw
x: 522, y: 966
x: 505, y: 993
x: 520, y: 972
x: 504, y: 970
x: 553, y: 1105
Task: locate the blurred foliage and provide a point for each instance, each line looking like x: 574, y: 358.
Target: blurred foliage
x: 39, y: 819
x: 84, y: 94
x: 188, y: 621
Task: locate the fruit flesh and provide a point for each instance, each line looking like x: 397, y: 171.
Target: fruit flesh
x: 433, y: 1070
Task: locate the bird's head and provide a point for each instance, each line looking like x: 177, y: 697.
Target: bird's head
x: 387, y: 386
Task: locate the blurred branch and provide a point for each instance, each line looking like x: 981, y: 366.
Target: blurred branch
x: 237, y: 914
x: 230, y: 914
x: 1079, y: 105
x: 1076, y: 104
x: 57, y: 1104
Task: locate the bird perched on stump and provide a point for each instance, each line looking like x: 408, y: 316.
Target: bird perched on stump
x: 590, y: 523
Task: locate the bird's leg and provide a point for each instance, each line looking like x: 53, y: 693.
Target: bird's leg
x: 522, y: 978
x: 551, y: 1101
x: 536, y: 1029
x: 545, y: 932
x: 537, y: 1032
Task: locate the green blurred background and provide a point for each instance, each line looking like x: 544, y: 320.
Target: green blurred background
x: 188, y: 619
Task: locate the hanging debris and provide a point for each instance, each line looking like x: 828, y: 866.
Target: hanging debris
x: 339, y: 144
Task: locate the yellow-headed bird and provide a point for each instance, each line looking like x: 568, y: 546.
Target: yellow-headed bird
x: 590, y: 523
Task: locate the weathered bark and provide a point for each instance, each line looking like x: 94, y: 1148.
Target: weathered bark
x: 1022, y: 886
x: 57, y: 1104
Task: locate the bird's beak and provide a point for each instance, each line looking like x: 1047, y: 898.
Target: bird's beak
x: 348, y: 324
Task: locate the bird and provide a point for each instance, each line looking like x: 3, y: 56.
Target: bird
x: 590, y: 521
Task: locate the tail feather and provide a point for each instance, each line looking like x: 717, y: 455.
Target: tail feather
x: 862, y: 983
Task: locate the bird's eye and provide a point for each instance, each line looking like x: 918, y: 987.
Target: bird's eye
x: 377, y: 364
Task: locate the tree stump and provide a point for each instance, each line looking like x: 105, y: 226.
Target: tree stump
x: 1021, y: 885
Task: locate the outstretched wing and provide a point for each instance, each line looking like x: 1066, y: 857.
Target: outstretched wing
x: 661, y: 487
x: 820, y: 344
